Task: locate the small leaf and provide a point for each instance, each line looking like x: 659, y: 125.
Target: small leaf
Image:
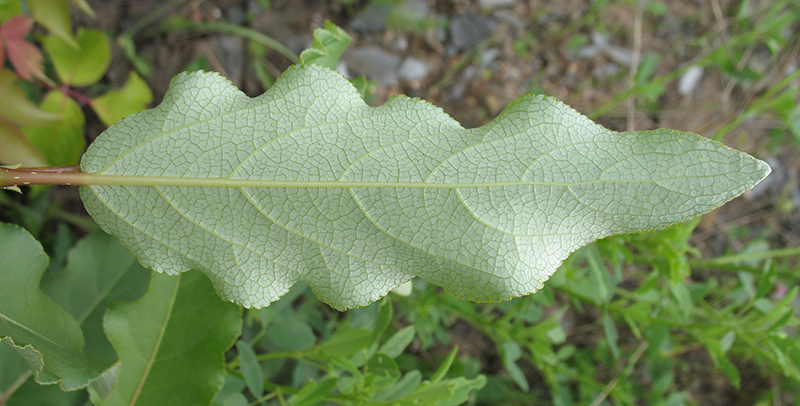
x: 54, y: 15
x: 307, y: 182
x: 251, y: 369
x: 47, y: 337
x: 289, y: 333
x: 510, y: 354
x: 328, y: 46
x: 9, y: 9
x: 313, y: 392
x: 171, y: 343
x: 383, y: 319
x: 16, y: 28
x: 407, y: 384
x: 62, y: 142
x: 84, y: 6
x: 24, y: 56
x: 116, y: 104
x: 17, y: 108
x: 346, y: 342
x: 84, y: 67
x: 17, y: 148
x: 442, y: 370
x: 397, y: 343
x: 463, y: 387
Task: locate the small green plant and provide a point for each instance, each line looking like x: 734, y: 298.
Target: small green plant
x: 52, y: 133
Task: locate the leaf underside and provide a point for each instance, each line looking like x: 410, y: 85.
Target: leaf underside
x: 306, y: 182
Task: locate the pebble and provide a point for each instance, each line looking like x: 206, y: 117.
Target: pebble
x: 468, y: 30
x: 689, y: 80
x: 375, y: 63
x: 510, y: 18
x: 488, y: 56
x: 495, y: 4
x: 413, y: 69
x: 605, y: 70
x: 236, y: 15
x: 617, y: 54
x: 229, y: 50
x: 372, y: 19
x: 414, y: 9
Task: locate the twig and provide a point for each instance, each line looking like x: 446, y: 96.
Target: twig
x: 637, y: 53
x: 628, y: 368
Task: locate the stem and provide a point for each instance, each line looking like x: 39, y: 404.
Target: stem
x: 14, y: 386
x: 234, y: 29
x: 68, y: 176
x: 57, y: 175
x: 751, y: 256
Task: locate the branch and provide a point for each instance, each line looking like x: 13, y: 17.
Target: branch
x: 12, y: 178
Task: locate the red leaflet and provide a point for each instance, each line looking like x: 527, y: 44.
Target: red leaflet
x: 26, y: 58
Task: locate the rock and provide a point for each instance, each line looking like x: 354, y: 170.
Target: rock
x: 414, y: 9
x: 589, y: 51
x: 229, y: 50
x: 495, y: 4
x: 617, y: 54
x: 605, y: 70
x: 236, y: 15
x: 372, y: 19
x: 413, y: 69
x: 488, y: 56
x: 510, y: 18
x: 689, y: 80
x: 468, y: 30
x: 374, y: 63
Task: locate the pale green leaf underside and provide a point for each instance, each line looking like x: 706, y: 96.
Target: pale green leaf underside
x: 307, y: 182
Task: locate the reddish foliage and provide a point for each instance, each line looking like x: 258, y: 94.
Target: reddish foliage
x: 24, y: 56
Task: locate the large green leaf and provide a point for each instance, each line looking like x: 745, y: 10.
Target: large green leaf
x: 99, y: 271
x: 45, y: 335
x: 307, y: 182
x: 171, y: 343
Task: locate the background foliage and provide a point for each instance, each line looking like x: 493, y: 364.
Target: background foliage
x: 703, y: 312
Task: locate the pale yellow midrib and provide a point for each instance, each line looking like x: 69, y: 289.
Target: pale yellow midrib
x: 124, y: 180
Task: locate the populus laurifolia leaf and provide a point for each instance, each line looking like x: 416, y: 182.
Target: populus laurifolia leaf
x: 171, y: 343
x: 306, y: 182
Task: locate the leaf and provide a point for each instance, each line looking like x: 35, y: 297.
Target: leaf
x: 251, y: 369
x: 24, y: 56
x: 62, y: 142
x: 171, y: 343
x: 131, y: 98
x: 17, y: 148
x: 328, y: 46
x: 16, y: 107
x: 82, y: 68
x: 9, y: 9
x: 510, y: 354
x: 54, y: 15
x: 84, y: 6
x: 14, y: 371
x: 47, y: 337
x: 397, y: 343
x: 99, y: 271
x: 313, y: 392
x: 307, y: 182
